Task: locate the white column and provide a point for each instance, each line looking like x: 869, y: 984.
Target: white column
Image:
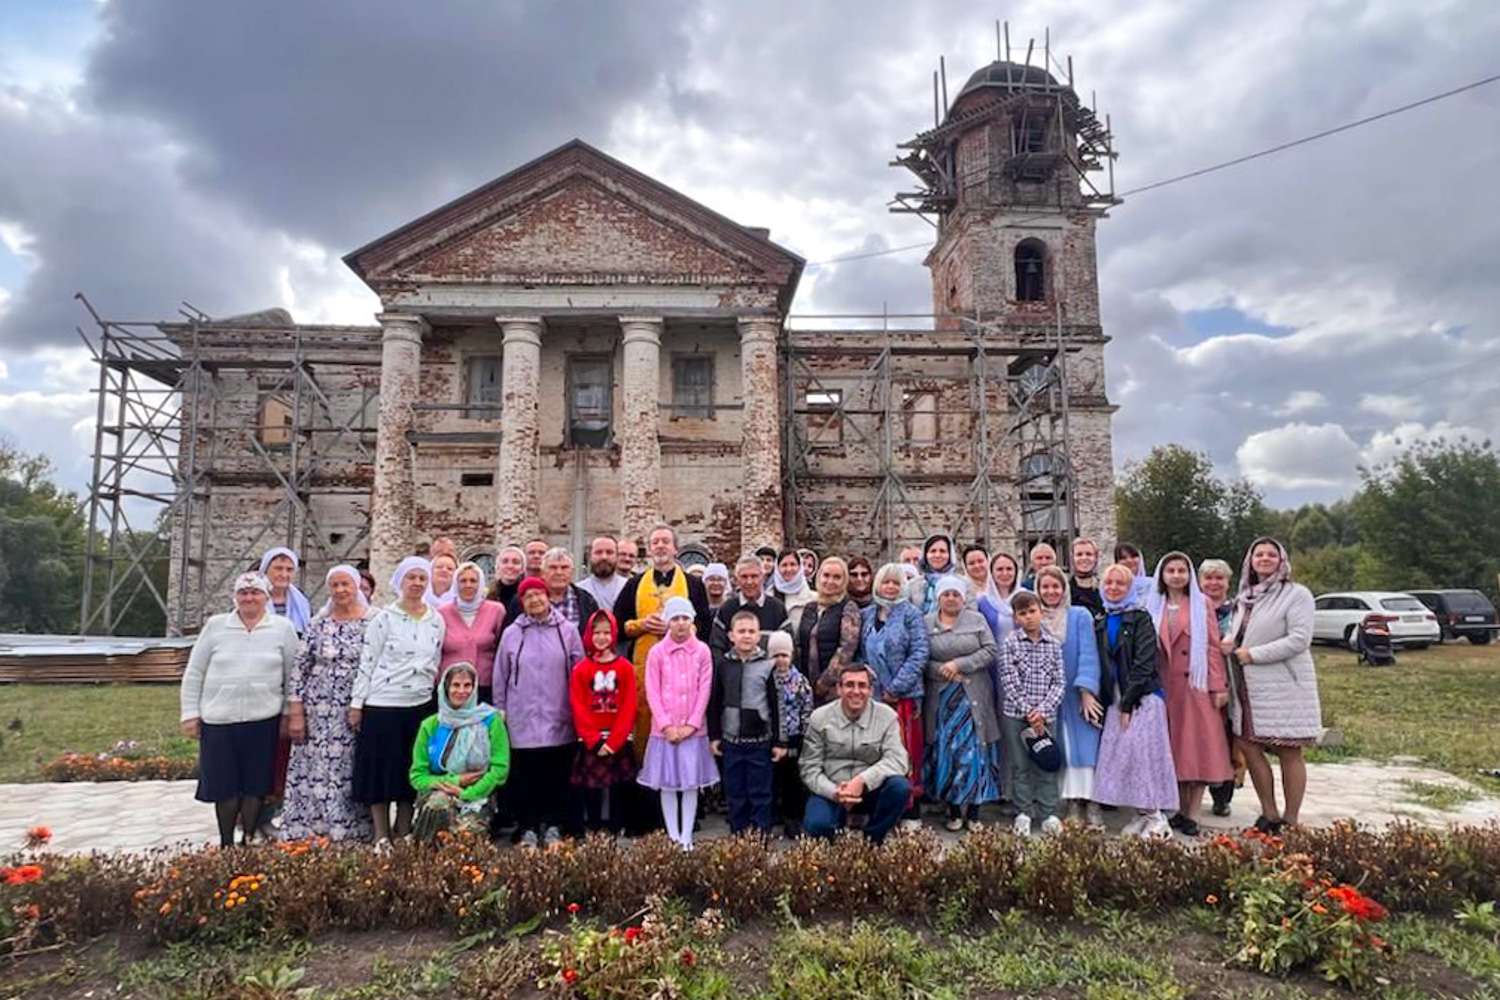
x: 760, y: 442
x: 393, y: 501
x: 517, y: 518
x: 640, y: 444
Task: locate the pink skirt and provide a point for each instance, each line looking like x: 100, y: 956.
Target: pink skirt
x: 678, y: 767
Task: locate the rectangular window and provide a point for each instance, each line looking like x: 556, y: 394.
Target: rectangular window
x: 825, y: 421
x: 274, y: 428
x: 590, y: 401
x: 1029, y: 132
x: 476, y: 479
x: 482, y: 386
x: 693, y: 387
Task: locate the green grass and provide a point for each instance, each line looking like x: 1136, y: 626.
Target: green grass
x: 40, y: 721
x: 1437, y: 796
x: 1437, y: 705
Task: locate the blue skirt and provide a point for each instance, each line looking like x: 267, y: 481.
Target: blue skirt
x: 960, y: 769
x: 679, y: 767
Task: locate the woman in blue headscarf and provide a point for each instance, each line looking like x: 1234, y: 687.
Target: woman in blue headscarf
x: 460, y: 756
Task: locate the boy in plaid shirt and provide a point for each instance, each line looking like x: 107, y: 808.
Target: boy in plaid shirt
x: 1031, y: 684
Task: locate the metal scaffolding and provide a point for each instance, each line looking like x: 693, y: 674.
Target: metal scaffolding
x: 961, y: 431
x: 161, y: 448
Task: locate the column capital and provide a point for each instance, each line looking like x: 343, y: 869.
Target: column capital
x: 753, y: 328
x: 521, y: 329
x: 641, y: 329
x: 402, y: 326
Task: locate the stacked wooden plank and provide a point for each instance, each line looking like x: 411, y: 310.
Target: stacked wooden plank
x: 68, y: 659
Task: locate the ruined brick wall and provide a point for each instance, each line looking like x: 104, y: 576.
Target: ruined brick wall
x: 239, y: 508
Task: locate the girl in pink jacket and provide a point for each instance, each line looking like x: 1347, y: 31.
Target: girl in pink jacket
x: 679, y: 676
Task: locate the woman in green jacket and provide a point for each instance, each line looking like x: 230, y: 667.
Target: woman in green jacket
x: 461, y: 755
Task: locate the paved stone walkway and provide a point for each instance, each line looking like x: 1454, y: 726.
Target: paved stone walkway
x: 140, y: 816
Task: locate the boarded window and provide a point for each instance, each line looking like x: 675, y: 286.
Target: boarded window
x: 482, y: 386
x: 693, y: 387
x: 1031, y: 271
x: 274, y: 426
x: 590, y: 405
x: 825, y: 420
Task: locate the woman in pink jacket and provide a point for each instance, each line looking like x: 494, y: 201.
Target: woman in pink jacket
x: 679, y: 675
x: 472, y: 626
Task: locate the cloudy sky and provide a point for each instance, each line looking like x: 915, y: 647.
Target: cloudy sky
x: 1295, y: 317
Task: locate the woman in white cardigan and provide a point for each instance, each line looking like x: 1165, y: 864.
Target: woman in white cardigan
x: 1275, y: 705
x: 233, y: 696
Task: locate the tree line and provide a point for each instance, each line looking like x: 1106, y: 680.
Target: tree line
x: 1429, y: 518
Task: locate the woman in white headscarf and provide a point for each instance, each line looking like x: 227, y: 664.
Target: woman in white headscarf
x: 472, y: 624
x: 394, y: 690
x: 1195, y: 684
x: 279, y: 567
x: 319, y: 799
x: 1275, y: 707
x: 233, y: 696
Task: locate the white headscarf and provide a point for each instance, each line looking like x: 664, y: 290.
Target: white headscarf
x: 1055, y: 620
x: 1156, y: 603
x: 298, y: 607
x: 406, y: 566
x: 359, y: 593
x: 468, y: 607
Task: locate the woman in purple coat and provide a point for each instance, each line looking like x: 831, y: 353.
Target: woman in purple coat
x: 532, y: 670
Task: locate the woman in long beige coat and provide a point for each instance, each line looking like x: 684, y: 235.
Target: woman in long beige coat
x: 1275, y: 707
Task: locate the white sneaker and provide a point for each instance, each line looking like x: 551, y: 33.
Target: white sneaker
x: 1093, y: 815
x: 383, y: 845
x: 1135, y: 826
x: 953, y: 824
x: 551, y: 837
x: 1156, y: 825
x: 911, y: 825
x: 973, y: 824
x: 528, y: 839
x: 1022, y: 825
x: 1051, y: 826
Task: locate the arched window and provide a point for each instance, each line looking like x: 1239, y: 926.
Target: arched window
x: 1031, y: 271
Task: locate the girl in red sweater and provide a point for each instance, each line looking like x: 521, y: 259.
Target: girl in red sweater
x: 602, y: 691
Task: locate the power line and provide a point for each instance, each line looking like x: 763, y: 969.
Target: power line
x: 1259, y: 154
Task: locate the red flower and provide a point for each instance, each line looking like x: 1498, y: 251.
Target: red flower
x: 570, y: 976
x: 687, y: 958
x: 631, y: 934
x: 573, y: 909
x: 38, y: 835
x: 21, y: 875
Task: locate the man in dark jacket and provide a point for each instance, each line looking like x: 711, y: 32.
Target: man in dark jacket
x: 750, y: 594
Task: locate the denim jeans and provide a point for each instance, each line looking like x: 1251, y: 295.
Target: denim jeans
x: 884, y: 805
x: 746, y: 768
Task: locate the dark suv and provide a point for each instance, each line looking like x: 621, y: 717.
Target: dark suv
x: 1466, y: 613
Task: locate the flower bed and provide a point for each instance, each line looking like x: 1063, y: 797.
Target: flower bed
x: 467, y: 884
x: 125, y: 761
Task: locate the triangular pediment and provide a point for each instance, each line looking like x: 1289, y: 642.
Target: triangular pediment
x: 581, y: 217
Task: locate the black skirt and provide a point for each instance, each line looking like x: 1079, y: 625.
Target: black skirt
x: 382, y: 753
x: 237, y: 759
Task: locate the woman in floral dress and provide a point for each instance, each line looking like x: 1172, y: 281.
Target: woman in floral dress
x: 319, y: 801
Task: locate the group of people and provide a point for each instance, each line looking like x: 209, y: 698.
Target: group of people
x: 793, y: 690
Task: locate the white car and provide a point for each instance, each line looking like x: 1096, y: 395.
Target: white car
x: 1338, y: 615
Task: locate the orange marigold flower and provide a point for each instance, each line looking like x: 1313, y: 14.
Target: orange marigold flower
x: 1211, y: 899
x: 22, y: 874
x: 1319, y: 909
x: 32, y: 912
x: 38, y: 835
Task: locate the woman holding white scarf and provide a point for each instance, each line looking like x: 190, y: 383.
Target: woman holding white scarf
x: 233, y: 693
x: 471, y: 628
x: 1195, y: 682
x: 392, y: 694
x: 279, y: 567
x: 319, y: 800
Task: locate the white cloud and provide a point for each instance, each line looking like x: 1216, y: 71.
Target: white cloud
x: 1387, y: 445
x: 1299, y: 456
x: 1302, y: 401
x: 1391, y: 405
x: 15, y: 238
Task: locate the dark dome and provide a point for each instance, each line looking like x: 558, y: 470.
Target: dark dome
x: 994, y: 75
